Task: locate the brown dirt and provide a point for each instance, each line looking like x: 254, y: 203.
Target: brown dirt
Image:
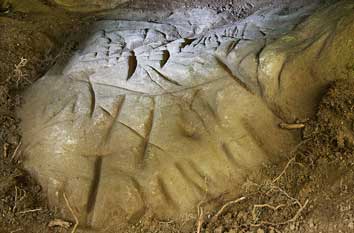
x: 29, y: 44
x: 237, y: 8
x: 311, y: 191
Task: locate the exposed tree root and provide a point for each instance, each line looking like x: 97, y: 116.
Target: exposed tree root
x: 72, y: 212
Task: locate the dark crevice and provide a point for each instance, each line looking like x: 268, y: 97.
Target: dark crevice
x: 91, y: 202
x: 165, y: 57
x: 187, y: 42
x: 93, y: 97
x: 132, y: 65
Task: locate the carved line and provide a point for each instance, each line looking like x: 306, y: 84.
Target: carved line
x: 93, y: 97
x: 92, y: 197
x: 165, y: 77
x: 229, y: 155
x: 165, y: 193
x: 188, y: 179
x: 132, y: 65
x: 114, y: 119
x: 236, y: 79
x: 149, y: 126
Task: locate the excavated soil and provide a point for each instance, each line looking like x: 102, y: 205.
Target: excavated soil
x: 238, y: 8
x: 311, y: 191
x: 29, y: 44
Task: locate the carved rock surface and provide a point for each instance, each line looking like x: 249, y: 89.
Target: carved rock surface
x: 161, y: 115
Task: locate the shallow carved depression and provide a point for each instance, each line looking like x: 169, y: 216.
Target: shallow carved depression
x: 161, y: 115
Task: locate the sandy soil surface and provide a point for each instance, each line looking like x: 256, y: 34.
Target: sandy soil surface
x: 29, y: 44
x: 311, y: 191
x: 238, y: 8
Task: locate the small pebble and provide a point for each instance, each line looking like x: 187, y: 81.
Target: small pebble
x: 311, y: 224
x: 219, y: 229
x: 292, y: 227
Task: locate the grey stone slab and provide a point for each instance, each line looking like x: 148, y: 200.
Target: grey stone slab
x: 157, y: 116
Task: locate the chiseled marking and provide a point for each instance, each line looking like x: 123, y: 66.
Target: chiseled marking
x: 234, y: 31
x: 93, y: 97
x: 140, y: 136
x: 186, y: 42
x: 258, y: 59
x: 140, y: 212
x: 74, y: 104
x: 92, y: 197
x: 197, y: 41
x: 212, y: 112
x: 165, y: 193
x: 154, y: 81
x: 122, y: 88
x: 196, y: 170
x: 163, y: 34
x: 232, y: 46
x: 329, y: 39
x: 148, y: 127
x: 106, y: 111
x: 138, y: 187
x: 67, y: 103
x: 201, y: 119
x: 253, y: 133
x: 165, y: 77
x: 114, y: 119
x: 165, y: 57
x: 132, y: 65
x: 236, y: 79
x: 229, y: 155
x: 244, y: 57
x: 280, y: 73
x: 188, y: 179
x: 244, y: 30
